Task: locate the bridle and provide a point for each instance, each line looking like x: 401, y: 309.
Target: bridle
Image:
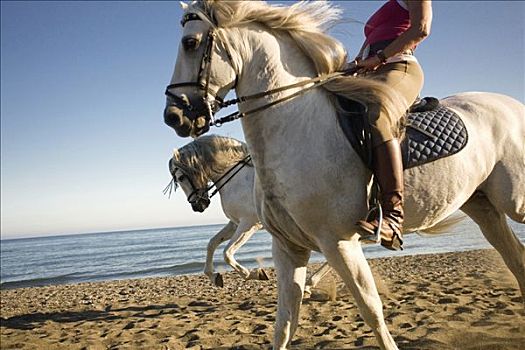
x: 209, y: 108
x: 195, y: 191
x: 201, y: 193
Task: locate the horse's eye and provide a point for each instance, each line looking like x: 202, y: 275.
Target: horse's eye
x: 190, y: 43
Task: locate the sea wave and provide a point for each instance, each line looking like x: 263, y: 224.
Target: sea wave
x: 76, y: 277
x: 154, y: 253
x: 39, y: 282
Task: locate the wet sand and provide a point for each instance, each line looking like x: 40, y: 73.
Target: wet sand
x: 464, y: 301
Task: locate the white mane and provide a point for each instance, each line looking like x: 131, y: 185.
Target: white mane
x: 307, y: 23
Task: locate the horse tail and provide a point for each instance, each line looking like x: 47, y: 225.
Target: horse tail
x: 444, y: 226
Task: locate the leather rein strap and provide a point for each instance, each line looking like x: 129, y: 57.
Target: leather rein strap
x: 243, y: 162
x: 316, y: 82
x: 231, y: 173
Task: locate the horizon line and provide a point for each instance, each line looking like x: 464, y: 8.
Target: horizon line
x: 32, y: 236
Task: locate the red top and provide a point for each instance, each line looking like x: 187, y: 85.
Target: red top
x: 389, y: 22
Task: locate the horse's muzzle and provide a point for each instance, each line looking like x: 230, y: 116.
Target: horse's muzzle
x: 175, y: 118
x: 186, y: 123
x: 200, y: 205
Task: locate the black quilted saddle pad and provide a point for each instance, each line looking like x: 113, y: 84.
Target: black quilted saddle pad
x: 432, y: 135
x: 429, y: 135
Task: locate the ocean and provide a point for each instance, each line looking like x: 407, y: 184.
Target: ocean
x: 30, y: 262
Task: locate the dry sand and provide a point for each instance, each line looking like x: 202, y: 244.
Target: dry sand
x: 458, y: 301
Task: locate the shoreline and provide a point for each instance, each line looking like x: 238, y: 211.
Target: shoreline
x: 459, y: 300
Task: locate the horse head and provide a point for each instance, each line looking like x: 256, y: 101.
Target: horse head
x: 196, y: 195
x: 203, y: 75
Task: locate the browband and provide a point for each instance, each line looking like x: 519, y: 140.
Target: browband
x: 189, y: 17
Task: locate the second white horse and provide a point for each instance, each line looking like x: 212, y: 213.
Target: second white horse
x: 225, y: 162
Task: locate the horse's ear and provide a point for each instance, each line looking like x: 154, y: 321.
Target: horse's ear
x: 184, y: 6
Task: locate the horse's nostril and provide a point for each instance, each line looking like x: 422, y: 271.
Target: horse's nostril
x: 172, y: 116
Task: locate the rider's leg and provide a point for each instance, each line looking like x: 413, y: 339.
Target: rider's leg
x: 407, y: 79
x: 388, y: 169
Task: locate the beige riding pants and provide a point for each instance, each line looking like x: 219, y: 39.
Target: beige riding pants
x: 407, y: 79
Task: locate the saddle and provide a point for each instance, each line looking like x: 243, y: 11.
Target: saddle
x: 432, y: 131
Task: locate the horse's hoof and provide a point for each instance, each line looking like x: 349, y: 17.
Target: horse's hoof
x: 217, y: 280
x: 261, y: 275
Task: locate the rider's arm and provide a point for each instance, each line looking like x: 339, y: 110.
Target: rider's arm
x: 420, y: 13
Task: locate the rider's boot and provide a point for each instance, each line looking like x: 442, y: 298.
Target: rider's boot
x: 388, y: 169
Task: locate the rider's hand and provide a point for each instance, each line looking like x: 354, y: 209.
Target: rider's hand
x: 351, y: 68
x: 369, y: 64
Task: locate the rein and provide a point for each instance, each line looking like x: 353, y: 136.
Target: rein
x: 243, y: 162
x: 317, y: 81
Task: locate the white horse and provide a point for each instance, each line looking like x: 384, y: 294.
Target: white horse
x: 225, y: 162
x: 311, y: 187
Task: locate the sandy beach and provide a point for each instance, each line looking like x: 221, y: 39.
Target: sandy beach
x: 464, y: 300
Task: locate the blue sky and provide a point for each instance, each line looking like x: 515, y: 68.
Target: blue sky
x: 83, y: 143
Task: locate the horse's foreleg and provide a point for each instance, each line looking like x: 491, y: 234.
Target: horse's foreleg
x: 225, y: 233
x: 347, y: 258
x: 316, y: 277
x: 290, y: 265
x: 496, y: 230
x: 244, y: 232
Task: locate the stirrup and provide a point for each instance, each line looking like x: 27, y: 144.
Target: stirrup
x: 376, y: 236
